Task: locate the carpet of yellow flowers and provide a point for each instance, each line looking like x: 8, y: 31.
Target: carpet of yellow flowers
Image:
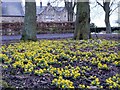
x: 83, y: 64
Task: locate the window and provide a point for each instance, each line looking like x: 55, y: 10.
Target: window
x: 49, y: 17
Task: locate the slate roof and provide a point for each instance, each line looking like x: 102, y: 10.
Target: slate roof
x: 39, y: 9
x: 12, y: 9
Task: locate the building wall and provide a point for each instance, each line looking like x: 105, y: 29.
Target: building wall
x: 50, y: 14
x: 52, y: 17
x: 61, y: 16
x: 12, y: 19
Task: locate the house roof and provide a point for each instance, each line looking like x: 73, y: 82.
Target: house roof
x: 40, y: 10
x: 12, y: 9
x: 16, y: 9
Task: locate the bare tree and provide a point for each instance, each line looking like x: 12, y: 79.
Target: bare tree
x: 70, y: 5
x: 82, y: 24
x: 29, y: 31
x: 107, y: 6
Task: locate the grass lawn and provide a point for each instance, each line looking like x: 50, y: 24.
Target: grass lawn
x: 84, y: 64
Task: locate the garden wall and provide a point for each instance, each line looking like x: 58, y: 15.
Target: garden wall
x: 15, y: 28
x: 12, y: 19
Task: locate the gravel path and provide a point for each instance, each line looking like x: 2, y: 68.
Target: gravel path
x: 60, y: 36
x: 40, y: 36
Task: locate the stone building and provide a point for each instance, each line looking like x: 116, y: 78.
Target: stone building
x: 14, y: 12
x: 50, y: 13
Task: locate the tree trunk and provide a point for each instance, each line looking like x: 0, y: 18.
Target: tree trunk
x: 71, y: 16
x: 107, y: 16
x: 82, y: 24
x: 29, y: 32
x: 70, y: 10
x: 107, y: 23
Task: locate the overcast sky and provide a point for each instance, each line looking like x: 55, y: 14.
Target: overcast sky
x: 97, y: 13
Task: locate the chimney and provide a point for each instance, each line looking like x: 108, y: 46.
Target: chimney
x: 40, y: 4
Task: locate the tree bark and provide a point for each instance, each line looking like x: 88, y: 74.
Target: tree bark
x: 82, y: 24
x: 107, y: 16
x: 107, y: 23
x: 29, y: 31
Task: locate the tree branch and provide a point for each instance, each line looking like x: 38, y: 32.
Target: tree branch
x: 66, y: 4
x: 74, y: 5
x: 99, y: 4
x: 111, y: 11
x: 112, y: 3
x: 94, y: 6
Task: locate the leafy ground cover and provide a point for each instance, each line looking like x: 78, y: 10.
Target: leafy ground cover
x: 83, y: 64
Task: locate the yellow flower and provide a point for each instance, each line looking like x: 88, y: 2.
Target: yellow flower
x: 97, y: 79
x: 110, y: 87
x: 101, y: 87
x: 60, y: 77
x: 82, y: 86
x: 88, y: 87
x: 63, y: 86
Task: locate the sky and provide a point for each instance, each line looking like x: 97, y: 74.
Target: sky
x: 97, y: 14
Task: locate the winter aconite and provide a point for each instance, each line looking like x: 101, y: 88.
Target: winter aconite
x: 83, y: 64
